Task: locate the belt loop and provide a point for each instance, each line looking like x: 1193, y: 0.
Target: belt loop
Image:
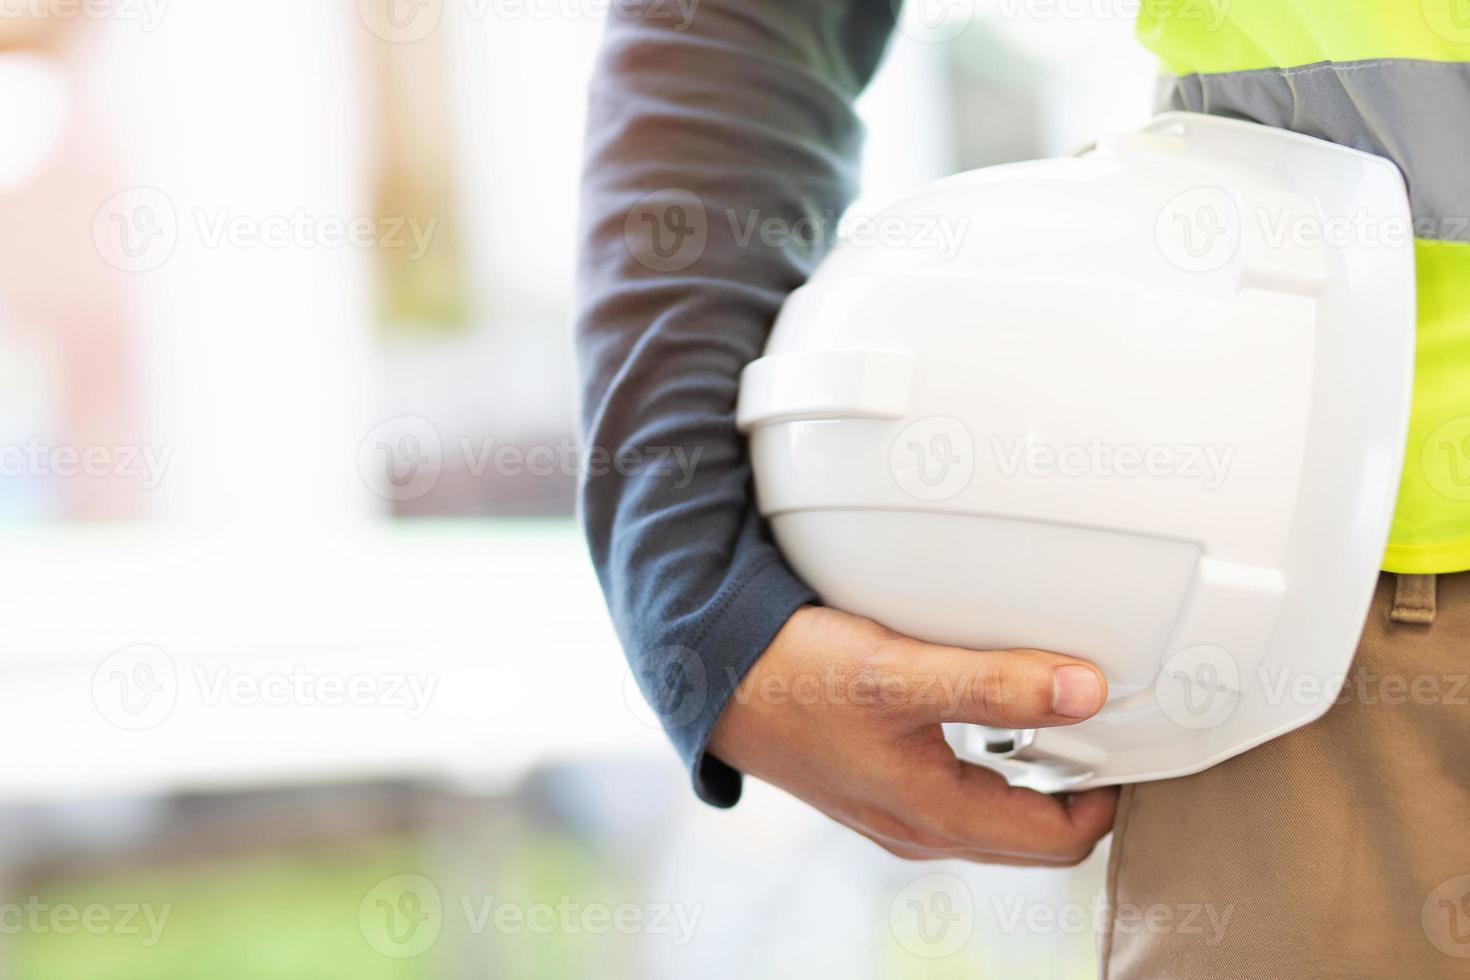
x: 1414, y: 599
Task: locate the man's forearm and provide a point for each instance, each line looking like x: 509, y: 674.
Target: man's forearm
x: 716, y: 144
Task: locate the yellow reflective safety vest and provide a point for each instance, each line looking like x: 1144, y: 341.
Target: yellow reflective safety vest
x: 1391, y: 77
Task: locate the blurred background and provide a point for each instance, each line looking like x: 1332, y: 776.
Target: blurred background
x: 303, y: 671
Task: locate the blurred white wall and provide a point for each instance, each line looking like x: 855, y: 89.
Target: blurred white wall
x: 257, y: 350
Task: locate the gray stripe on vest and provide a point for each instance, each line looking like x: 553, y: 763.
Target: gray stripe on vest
x: 1416, y: 113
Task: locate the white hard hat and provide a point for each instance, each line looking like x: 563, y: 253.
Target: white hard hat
x: 1145, y: 406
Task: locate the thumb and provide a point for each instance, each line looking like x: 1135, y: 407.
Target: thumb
x: 1002, y: 688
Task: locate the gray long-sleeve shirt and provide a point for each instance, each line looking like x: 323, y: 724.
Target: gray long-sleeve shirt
x: 702, y: 129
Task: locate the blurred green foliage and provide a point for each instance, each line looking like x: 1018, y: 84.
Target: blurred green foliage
x: 281, y: 917
x: 295, y: 915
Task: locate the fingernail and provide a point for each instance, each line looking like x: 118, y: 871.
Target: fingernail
x: 1075, y: 692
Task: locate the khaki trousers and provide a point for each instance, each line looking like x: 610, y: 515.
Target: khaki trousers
x: 1341, y: 849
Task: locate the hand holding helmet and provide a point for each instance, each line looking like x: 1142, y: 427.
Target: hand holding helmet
x: 848, y: 716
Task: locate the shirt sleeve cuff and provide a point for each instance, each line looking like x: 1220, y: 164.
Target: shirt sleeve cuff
x: 751, y: 613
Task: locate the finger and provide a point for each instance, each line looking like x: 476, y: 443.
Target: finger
x: 1093, y: 811
x: 890, y: 832
x: 906, y: 849
x: 985, y: 813
x: 1000, y: 688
